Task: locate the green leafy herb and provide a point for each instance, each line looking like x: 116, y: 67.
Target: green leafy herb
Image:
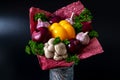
x: 83, y: 17
x: 41, y: 16
x: 40, y: 47
x: 93, y: 33
x: 27, y: 49
x: 66, y: 41
x: 73, y: 58
x: 34, y: 48
x: 57, y: 40
x: 77, y: 26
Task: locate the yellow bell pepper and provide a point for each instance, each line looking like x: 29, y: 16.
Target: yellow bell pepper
x: 63, y: 29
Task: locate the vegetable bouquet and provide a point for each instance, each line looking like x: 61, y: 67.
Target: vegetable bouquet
x: 62, y: 38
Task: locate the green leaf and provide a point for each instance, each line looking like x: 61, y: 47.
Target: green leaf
x: 35, y: 48
x: 41, y: 16
x: 27, y: 49
x: 83, y: 17
x: 66, y: 41
x: 57, y: 40
x: 41, y: 52
x: 93, y: 33
x: 77, y: 26
x: 73, y: 58
x: 40, y: 46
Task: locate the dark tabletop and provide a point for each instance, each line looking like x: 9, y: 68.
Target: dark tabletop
x: 15, y: 64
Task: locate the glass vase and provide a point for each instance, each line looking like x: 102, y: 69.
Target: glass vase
x: 63, y: 73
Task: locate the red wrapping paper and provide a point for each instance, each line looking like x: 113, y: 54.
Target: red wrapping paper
x: 91, y: 49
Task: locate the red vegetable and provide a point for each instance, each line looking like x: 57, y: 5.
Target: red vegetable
x: 86, y: 26
x: 74, y: 47
x: 32, y: 13
x: 54, y: 19
x: 42, y: 35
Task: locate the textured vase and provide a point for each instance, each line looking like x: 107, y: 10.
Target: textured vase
x: 64, y: 73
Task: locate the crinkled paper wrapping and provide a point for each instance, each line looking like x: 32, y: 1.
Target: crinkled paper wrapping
x: 91, y: 49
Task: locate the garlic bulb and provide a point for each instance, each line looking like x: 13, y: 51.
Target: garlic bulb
x: 83, y: 38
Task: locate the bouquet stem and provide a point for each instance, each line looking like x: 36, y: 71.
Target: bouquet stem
x: 64, y: 73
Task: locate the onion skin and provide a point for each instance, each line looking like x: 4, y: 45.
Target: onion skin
x: 41, y: 36
x: 74, y: 47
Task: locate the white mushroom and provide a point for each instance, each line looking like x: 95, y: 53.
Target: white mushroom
x: 60, y: 48
x: 57, y: 52
x: 45, y: 47
x: 50, y: 42
x: 57, y: 57
x: 48, y: 54
x: 60, y: 51
x: 65, y: 56
x: 51, y: 48
x: 48, y: 50
x: 46, y: 44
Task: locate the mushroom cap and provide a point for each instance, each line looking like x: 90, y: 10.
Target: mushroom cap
x: 50, y: 42
x: 51, y: 48
x: 57, y: 57
x: 60, y: 48
x: 48, y: 54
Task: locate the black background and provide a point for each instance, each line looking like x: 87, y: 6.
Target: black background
x: 15, y: 64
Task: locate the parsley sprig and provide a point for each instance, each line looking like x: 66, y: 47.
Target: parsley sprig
x: 42, y: 16
x: 58, y: 40
x: 34, y: 48
x: 66, y: 41
x: 73, y: 58
x: 93, y: 33
x: 83, y: 17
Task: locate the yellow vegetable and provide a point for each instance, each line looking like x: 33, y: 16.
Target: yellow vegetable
x: 68, y: 27
x: 63, y: 29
